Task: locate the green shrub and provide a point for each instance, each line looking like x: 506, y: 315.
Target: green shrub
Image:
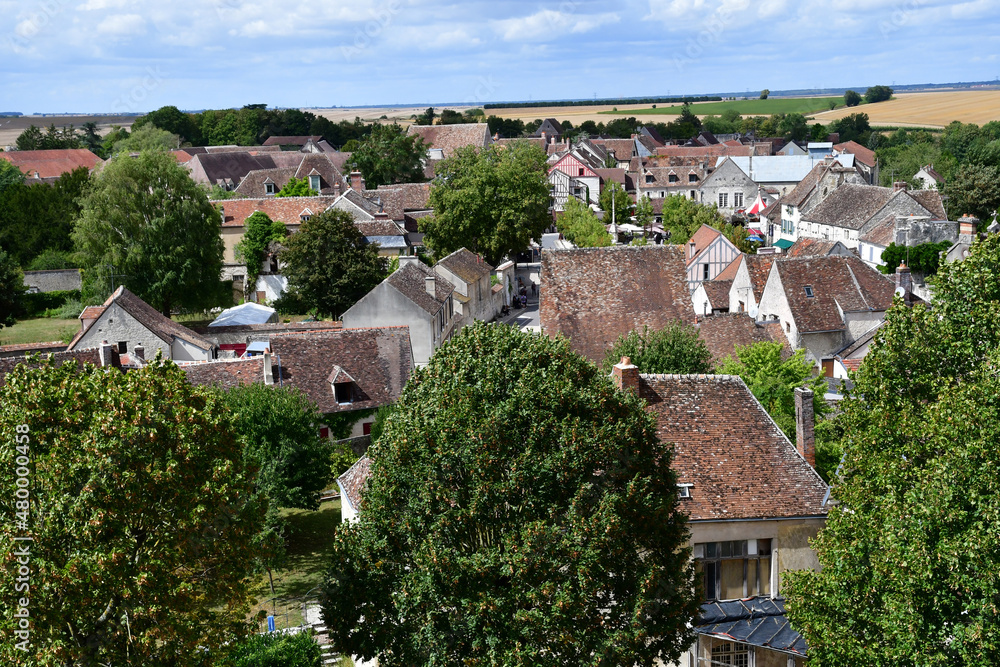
x: 39, y: 303
x: 275, y: 650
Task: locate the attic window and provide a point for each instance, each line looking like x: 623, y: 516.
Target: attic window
x: 684, y: 490
x: 342, y: 384
x: 269, y: 188
x: 314, y: 183
x: 581, y: 172
x: 649, y: 178
x: 809, y: 291
x: 673, y: 178
x: 692, y: 178
x: 304, y: 217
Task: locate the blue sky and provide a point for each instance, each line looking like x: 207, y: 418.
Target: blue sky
x: 138, y: 55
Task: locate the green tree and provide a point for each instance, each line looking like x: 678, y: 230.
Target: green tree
x: 388, y: 155
x: 30, y: 139
x: 764, y: 94
x: 12, y: 290
x: 853, y: 127
x: 260, y: 233
x: 792, y: 126
x: 296, y: 188
x: 676, y: 348
x: 39, y: 217
x: 973, y: 190
x: 852, y: 98
x: 911, y: 542
x: 579, y: 225
x: 513, y: 495
x: 146, y: 138
x: 329, y: 265
x: 644, y: 214
x: 10, y: 176
x: 614, y: 198
x: 426, y: 118
x: 505, y: 127
x: 924, y: 258
x: 878, y: 94
x: 114, y: 135
x: 276, y: 650
x: 147, y: 219
x: 174, y: 121
x: 141, y: 514
x: 682, y: 217
x: 492, y: 201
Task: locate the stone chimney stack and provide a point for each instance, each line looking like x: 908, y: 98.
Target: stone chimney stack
x: 625, y: 375
x: 967, y: 227
x: 139, y: 352
x: 904, y: 281
x: 429, y: 285
x: 900, y: 185
x: 268, y: 369
x: 692, y: 249
x: 357, y: 181
x: 805, y: 439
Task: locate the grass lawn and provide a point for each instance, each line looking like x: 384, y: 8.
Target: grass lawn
x: 41, y: 330
x: 766, y: 107
x: 308, y: 547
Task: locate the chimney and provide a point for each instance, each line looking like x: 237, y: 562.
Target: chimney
x: 268, y: 369
x: 381, y: 215
x: 109, y: 355
x: 805, y: 440
x: 691, y: 250
x: 139, y: 352
x: 904, y: 281
x: 625, y: 375
x: 357, y: 181
x: 900, y: 185
x: 545, y: 137
x: 429, y: 284
x: 967, y: 227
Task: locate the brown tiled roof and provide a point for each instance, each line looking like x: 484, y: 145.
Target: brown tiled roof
x: 798, y: 195
x: 397, y: 200
x: 379, y: 228
x: 865, y: 156
x: 729, y: 273
x: 379, y: 360
x: 281, y: 209
x: 91, y: 312
x: 226, y: 373
x: 410, y: 281
x: 353, y: 481
x: 80, y: 357
x: 881, y: 233
x: 467, y: 265
x: 759, y: 268
x: 450, y: 137
x: 254, y: 183
x: 624, y: 149
x: 723, y: 332
x: 851, y: 205
x: 805, y: 247
x: 51, y: 163
x: 234, y: 165
x: 716, y: 150
x: 930, y: 200
x: 839, y: 284
x: 331, y: 180
x: 739, y: 462
x: 594, y: 295
x: 51, y: 346
x: 612, y: 175
x: 291, y: 140
x: 701, y: 239
x: 718, y: 292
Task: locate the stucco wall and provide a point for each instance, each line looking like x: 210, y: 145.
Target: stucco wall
x: 52, y: 281
x: 742, y: 290
x: 116, y: 325
x: 386, y: 307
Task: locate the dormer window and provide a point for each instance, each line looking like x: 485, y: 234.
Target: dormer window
x: 269, y: 188
x: 692, y: 178
x: 809, y: 291
x: 673, y: 178
x: 649, y: 178
x: 342, y: 385
x: 314, y: 183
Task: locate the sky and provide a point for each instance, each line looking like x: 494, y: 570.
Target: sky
x: 131, y: 56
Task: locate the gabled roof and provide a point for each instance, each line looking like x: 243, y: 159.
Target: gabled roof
x: 759, y: 621
x: 379, y: 361
x: 724, y: 331
x: 701, y: 239
x: 856, y: 345
x: 717, y: 292
x: 806, y: 247
x: 292, y: 140
x: 865, y: 156
x: 410, y: 280
x: 729, y: 273
x: 51, y: 163
x: 838, y: 284
x: 381, y: 228
x: 930, y: 200
x: 448, y: 138
x: 162, y: 327
x: 338, y: 374
x: 595, y: 295
x: 397, y: 200
x: 353, y: 481
x: 550, y: 126
x: 739, y: 462
x: 226, y: 373
x: 758, y: 268
x: 281, y: 209
x: 851, y: 205
x: 467, y: 265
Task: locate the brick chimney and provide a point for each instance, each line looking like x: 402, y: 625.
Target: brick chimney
x: 429, y: 285
x: 805, y: 439
x: 625, y: 375
x: 904, y: 281
x: 357, y: 181
x: 900, y: 185
x: 967, y: 227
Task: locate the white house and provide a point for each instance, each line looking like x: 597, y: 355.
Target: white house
x: 707, y: 254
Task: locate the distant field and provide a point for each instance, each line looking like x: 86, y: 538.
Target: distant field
x: 935, y: 109
x: 12, y: 127
x: 802, y: 105
x: 41, y: 330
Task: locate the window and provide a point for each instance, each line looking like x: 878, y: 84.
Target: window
x: 366, y: 428
x: 725, y: 654
x: 304, y: 217
x: 314, y: 183
x: 704, y: 271
x: 692, y: 178
x: 269, y: 188
x: 649, y: 178
x: 343, y: 392
x: 684, y: 490
x: 743, y: 307
x: 673, y: 178
x: 324, y: 433
x: 737, y: 199
x: 723, y: 200
x: 580, y: 172
x: 122, y: 347
x: 788, y: 327
x: 809, y: 291
x: 734, y: 570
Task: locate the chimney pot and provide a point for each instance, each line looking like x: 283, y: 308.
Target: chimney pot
x: 900, y: 185
x: 805, y: 439
x: 625, y: 375
x: 429, y: 285
x: 357, y: 181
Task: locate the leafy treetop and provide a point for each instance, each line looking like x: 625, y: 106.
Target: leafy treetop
x: 676, y: 348
x: 579, y: 225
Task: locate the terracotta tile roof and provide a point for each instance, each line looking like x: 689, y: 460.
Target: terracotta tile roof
x: 701, y: 239
x: 739, y: 462
x: 839, y: 284
x: 379, y: 228
x: 353, y: 481
x: 865, y: 156
x: 729, y: 273
x: 226, y: 373
x: 723, y: 332
x: 450, y: 137
x: 467, y: 265
x: 378, y: 359
x: 91, y: 312
x: 183, y: 157
x: 51, y: 346
x: 281, y: 209
x: 716, y: 150
x: 292, y: 140
x: 410, y: 281
x: 51, y: 163
x: 718, y: 292
x: 852, y: 364
x: 624, y: 149
x: 594, y: 295
x: 805, y: 247
x: 80, y: 357
x: 930, y: 200
x: 759, y: 268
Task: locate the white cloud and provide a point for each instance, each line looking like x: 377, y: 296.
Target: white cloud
x: 96, y: 5
x: 684, y: 13
x: 122, y: 25
x: 548, y: 24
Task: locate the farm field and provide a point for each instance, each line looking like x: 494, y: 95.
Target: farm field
x: 935, y: 109
x: 40, y: 330
x: 12, y: 127
x: 802, y: 105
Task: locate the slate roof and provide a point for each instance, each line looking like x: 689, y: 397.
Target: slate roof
x: 760, y: 621
x: 162, y: 327
x: 550, y: 126
x: 594, y: 295
x: 353, y: 481
x: 233, y: 165
x: 723, y: 332
x: 253, y: 184
x: 379, y: 360
x: 839, y: 284
x: 740, y: 463
x: 410, y: 281
x: 226, y: 373
x: 448, y: 138
x: 467, y: 265
x: 281, y: 209
x: 378, y: 228
x: 51, y: 163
